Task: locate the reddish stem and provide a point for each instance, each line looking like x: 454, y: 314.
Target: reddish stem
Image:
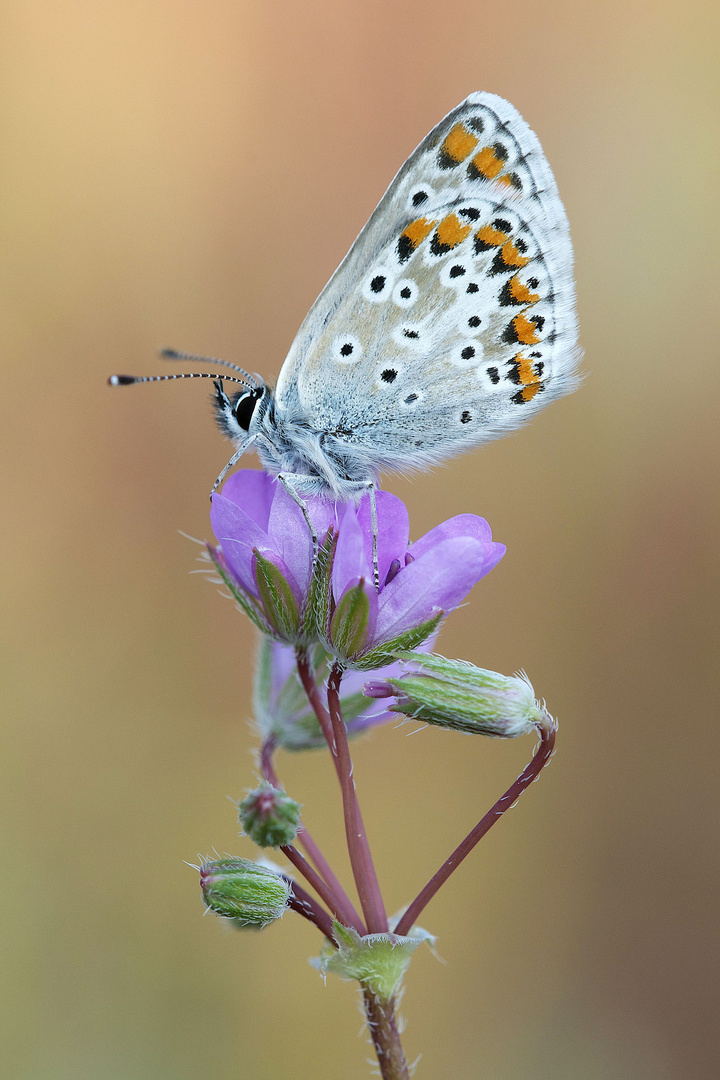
x: 530, y: 772
x: 321, y: 887
x: 304, y: 904
x: 360, y: 858
x: 341, y: 903
x: 385, y: 1036
x: 314, y: 697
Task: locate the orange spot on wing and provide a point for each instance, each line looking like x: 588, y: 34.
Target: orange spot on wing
x: 528, y: 392
x: 417, y: 230
x: 486, y: 163
x: 525, y: 371
x: 511, y: 256
x: 487, y: 237
x: 525, y: 330
x: 505, y: 180
x: 451, y: 231
x: 459, y: 142
x: 520, y: 292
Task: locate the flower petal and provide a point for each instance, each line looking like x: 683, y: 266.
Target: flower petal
x: 437, y: 581
x: 252, y: 490
x: 237, y: 534
x: 290, y: 536
x: 351, y: 558
x: 461, y: 525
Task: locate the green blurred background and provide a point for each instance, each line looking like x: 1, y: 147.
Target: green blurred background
x: 190, y: 174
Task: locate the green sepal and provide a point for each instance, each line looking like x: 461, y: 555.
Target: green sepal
x: 247, y: 604
x: 278, y: 599
x: 350, y: 621
x: 456, y: 694
x: 317, y: 607
x: 387, y: 652
x: 377, y: 961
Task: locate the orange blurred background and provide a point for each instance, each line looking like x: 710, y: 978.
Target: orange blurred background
x: 190, y: 174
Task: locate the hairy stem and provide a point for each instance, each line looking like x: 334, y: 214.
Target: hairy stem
x: 311, y: 875
x: 385, y: 1036
x: 314, y: 697
x: 341, y: 904
x: 363, y: 869
x: 304, y: 904
x: 530, y: 772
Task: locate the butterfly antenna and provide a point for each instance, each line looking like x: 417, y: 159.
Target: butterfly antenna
x: 128, y: 380
x: 173, y: 354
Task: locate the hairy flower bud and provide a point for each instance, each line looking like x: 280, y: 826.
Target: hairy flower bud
x: 269, y: 816
x: 455, y: 694
x: 245, y: 891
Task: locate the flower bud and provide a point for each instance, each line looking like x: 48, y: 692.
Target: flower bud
x: 455, y: 694
x: 244, y: 891
x: 269, y: 816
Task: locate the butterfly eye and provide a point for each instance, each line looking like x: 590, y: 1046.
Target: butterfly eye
x: 244, y: 406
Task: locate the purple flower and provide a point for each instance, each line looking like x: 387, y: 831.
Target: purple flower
x: 266, y: 549
x: 267, y: 552
x: 419, y: 583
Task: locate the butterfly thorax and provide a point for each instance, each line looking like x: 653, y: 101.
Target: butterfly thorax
x: 321, y: 462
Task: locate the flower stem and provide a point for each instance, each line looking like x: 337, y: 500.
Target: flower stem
x: 360, y: 858
x: 531, y: 771
x: 313, y: 693
x: 321, y: 887
x: 381, y: 1022
x: 341, y: 904
x: 304, y: 904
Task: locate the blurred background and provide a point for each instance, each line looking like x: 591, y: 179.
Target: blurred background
x: 190, y: 174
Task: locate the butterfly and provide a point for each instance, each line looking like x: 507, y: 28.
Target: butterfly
x: 450, y: 321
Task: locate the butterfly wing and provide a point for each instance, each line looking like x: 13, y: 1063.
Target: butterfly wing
x: 452, y: 318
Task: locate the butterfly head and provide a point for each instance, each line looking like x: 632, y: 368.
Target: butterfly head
x: 236, y: 413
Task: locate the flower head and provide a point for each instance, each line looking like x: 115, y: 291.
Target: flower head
x: 266, y: 558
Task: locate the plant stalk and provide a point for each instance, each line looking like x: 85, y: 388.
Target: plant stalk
x: 385, y: 1036
x: 531, y: 772
x: 361, y: 861
x: 341, y: 904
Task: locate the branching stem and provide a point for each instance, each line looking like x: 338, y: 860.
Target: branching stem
x: 361, y: 861
x: 530, y: 772
x: 334, y: 895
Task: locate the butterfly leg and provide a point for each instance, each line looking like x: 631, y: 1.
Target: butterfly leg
x: 286, y: 481
x: 374, y: 524
x: 233, y: 460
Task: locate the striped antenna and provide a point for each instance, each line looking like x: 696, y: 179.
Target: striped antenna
x: 128, y: 380
x: 173, y: 354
